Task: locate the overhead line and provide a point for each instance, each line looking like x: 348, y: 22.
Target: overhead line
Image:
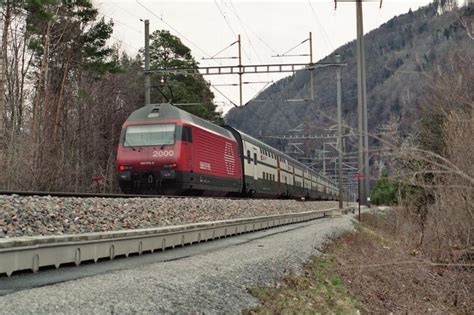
x: 120, y: 22
x: 256, y: 35
x: 174, y: 29
x: 225, y: 19
x: 222, y: 50
x: 227, y: 98
x: 232, y: 8
x: 323, y: 32
x: 182, y: 36
x: 242, y: 24
x: 291, y: 49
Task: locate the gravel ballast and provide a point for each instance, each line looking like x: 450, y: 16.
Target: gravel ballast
x: 30, y: 216
x: 213, y: 282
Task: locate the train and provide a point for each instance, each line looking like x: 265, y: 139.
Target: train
x: 166, y: 150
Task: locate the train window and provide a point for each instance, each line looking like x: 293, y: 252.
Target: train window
x: 255, y: 158
x: 187, y: 134
x: 149, y: 135
x: 248, y: 156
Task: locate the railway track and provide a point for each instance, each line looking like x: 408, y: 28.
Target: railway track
x: 83, y: 195
x: 34, y: 253
x: 104, y: 195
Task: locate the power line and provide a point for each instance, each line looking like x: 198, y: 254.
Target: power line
x: 126, y: 11
x: 219, y: 91
x: 174, y: 29
x: 137, y: 50
x: 120, y: 22
x: 225, y: 18
x: 234, y: 11
x: 320, y: 26
x: 181, y: 35
x: 251, y: 30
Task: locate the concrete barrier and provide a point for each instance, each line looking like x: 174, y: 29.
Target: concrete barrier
x: 32, y: 253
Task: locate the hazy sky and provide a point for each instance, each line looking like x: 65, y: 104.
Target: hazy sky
x: 266, y: 27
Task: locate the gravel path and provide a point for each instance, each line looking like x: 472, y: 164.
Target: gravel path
x: 212, y: 282
x: 28, y: 216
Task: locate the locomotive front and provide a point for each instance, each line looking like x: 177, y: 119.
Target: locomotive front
x: 153, y: 153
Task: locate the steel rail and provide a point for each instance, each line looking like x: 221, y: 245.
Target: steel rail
x: 105, y: 195
x: 33, y: 253
x: 84, y: 195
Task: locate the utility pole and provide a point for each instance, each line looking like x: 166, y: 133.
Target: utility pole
x: 362, y: 123
x: 311, y: 65
x: 240, y: 70
x: 360, y: 99
x: 339, y: 129
x: 363, y: 85
x: 324, y: 161
x: 147, y: 62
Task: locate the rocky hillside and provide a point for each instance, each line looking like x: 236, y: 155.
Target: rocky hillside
x: 400, y: 56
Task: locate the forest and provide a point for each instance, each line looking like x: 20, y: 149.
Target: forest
x: 67, y: 92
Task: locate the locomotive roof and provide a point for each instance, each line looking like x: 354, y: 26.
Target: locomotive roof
x: 165, y: 111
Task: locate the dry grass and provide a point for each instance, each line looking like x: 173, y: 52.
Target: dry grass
x: 388, y: 276
x: 372, y: 271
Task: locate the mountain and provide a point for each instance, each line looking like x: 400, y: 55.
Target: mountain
x: 400, y: 57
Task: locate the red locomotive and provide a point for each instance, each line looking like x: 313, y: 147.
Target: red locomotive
x: 166, y: 150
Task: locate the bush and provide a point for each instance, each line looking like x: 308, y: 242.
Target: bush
x: 384, y: 192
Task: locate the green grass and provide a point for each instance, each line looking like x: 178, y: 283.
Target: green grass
x: 318, y: 290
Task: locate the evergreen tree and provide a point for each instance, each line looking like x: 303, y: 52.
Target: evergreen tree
x: 384, y: 192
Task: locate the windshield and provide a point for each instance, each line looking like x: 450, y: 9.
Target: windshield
x: 149, y: 135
